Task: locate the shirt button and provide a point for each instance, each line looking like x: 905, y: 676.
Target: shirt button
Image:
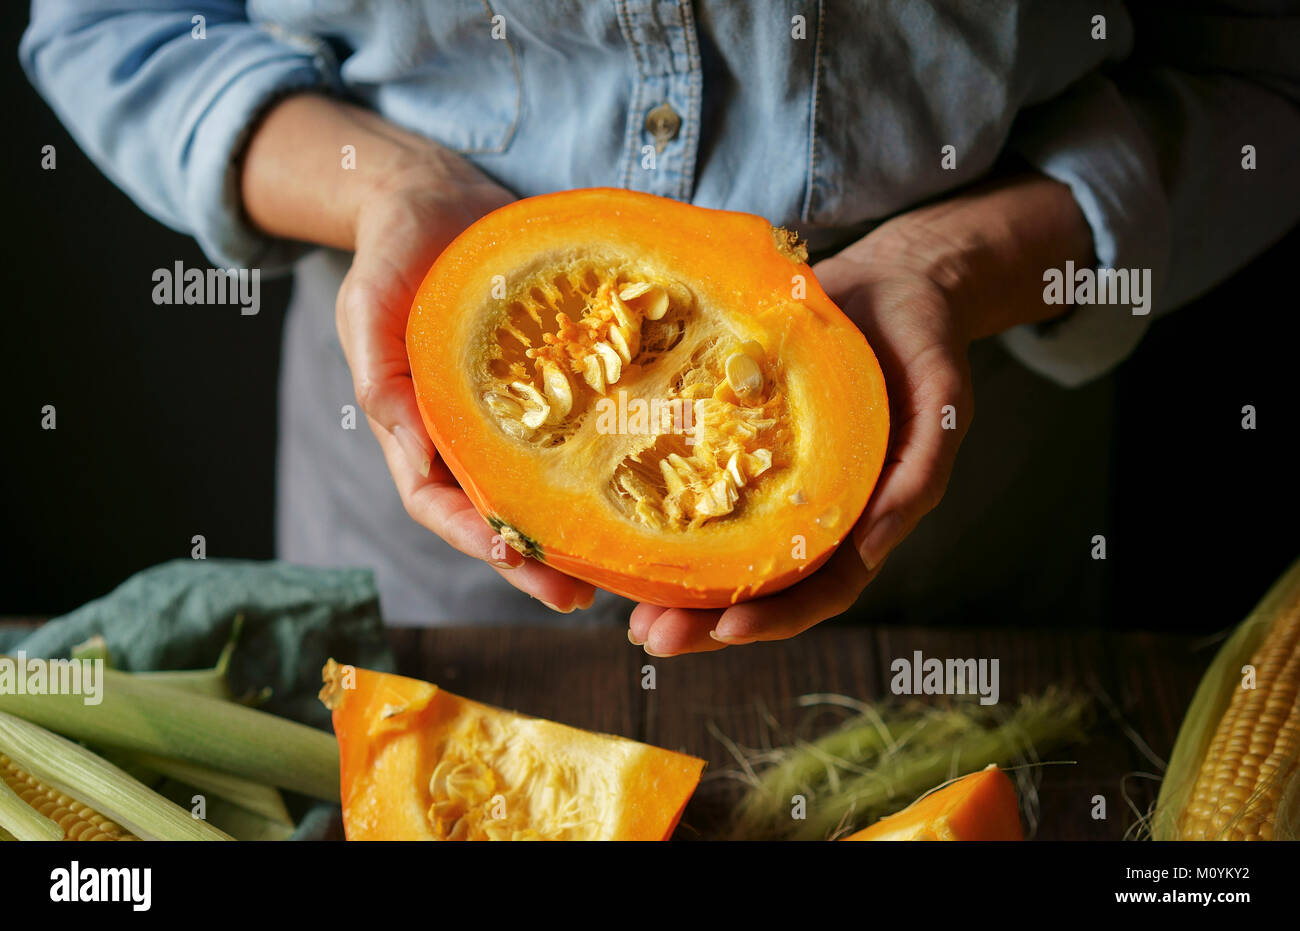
x: 662, y: 123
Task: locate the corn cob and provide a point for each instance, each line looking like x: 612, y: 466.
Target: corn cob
x: 1235, y: 770
x: 77, y: 821
x: 147, y: 716
x: 100, y: 787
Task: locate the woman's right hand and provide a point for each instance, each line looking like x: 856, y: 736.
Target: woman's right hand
x: 397, y: 210
x: 400, y: 232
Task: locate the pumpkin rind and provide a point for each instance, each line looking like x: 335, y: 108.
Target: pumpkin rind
x: 552, y: 503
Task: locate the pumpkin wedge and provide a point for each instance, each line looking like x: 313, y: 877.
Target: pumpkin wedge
x: 419, y: 763
x: 654, y: 397
x: 981, y: 806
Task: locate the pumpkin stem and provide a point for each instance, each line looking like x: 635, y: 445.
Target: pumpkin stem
x: 518, y: 541
x: 331, y: 693
x: 790, y: 245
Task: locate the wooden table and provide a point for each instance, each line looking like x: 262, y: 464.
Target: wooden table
x: 593, y: 679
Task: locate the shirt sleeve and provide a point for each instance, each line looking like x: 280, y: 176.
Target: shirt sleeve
x: 1155, y: 155
x: 162, y: 100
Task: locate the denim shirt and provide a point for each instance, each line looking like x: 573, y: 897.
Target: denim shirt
x: 827, y: 116
x: 824, y: 115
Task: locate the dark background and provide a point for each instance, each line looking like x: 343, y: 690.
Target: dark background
x: 166, y: 415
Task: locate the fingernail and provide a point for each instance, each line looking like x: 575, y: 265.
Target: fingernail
x: 879, y: 540
x: 416, y: 454
x: 511, y: 558
x: 556, y: 607
x: 632, y: 640
x: 659, y: 655
x: 730, y: 639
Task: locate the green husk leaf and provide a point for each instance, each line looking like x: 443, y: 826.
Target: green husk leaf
x: 235, y: 820
x: 145, y: 716
x: 98, y: 784
x: 1209, y: 703
x: 259, y: 799
x: 262, y: 800
x: 880, y: 761
x: 214, y: 682
x: 1286, y: 823
x: 94, y: 648
x: 194, y: 681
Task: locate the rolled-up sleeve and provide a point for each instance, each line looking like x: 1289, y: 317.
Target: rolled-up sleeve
x: 1155, y: 153
x: 162, y: 100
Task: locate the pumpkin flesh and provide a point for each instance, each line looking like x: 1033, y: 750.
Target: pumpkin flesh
x: 654, y: 397
x: 419, y: 763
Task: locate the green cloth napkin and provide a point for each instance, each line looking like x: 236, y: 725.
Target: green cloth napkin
x: 178, y: 615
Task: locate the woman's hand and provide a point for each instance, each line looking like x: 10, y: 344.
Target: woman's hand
x: 921, y: 287
x: 400, y: 232
x: 404, y: 201
x: 910, y: 325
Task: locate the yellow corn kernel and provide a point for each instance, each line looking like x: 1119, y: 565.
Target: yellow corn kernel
x: 1256, y: 746
x: 77, y: 821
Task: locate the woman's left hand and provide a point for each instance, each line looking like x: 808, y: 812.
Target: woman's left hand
x: 921, y: 287
x: 908, y: 322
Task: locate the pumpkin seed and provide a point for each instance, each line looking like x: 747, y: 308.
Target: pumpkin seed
x: 593, y: 374
x: 538, y: 411
x: 684, y: 468
x: 625, y: 316
x: 651, y: 300
x: 618, y: 339
x: 744, y: 375
x: 671, y: 478
x: 506, y: 408
x: 613, y: 363
x: 558, y: 389
x: 632, y: 291
x: 733, y: 469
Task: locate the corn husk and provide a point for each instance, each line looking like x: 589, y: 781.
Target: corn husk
x: 1211, y: 700
x: 880, y: 761
x: 146, y: 716
x: 253, y: 797
x: 213, y: 682
x: 97, y: 784
x: 235, y: 820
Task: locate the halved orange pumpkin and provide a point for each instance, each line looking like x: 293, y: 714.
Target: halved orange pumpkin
x: 419, y: 763
x: 654, y: 397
